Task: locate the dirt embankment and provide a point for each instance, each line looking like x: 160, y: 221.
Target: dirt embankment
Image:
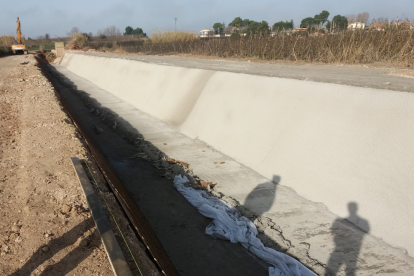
x: 45, y: 226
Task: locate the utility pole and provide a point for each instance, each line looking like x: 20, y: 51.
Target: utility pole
x: 175, y: 23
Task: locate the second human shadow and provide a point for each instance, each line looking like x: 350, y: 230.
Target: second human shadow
x: 261, y: 198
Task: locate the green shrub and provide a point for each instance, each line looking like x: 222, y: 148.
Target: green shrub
x: 5, y: 50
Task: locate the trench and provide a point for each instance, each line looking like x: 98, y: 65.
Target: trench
x: 137, y: 147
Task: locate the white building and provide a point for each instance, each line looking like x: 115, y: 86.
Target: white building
x: 206, y: 33
x: 356, y: 25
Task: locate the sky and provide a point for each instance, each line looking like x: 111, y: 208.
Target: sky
x: 58, y: 17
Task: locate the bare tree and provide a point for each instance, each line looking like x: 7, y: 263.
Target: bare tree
x: 360, y: 17
x: 351, y: 18
x: 109, y: 31
x: 75, y: 30
x: 364, y: 17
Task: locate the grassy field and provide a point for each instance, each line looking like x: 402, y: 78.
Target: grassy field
x: 5, y: 50
x: 40, y: 47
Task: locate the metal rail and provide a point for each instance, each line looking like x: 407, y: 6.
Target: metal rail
x: 132, y: 210
x: 115, y: 256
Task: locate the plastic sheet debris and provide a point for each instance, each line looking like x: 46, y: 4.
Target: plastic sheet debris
x: 229, y: 224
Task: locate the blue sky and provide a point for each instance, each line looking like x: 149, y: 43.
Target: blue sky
x: 58, y: 17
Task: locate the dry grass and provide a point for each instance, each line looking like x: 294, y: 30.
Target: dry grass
x: 393, y: 46
x: 78, y: 41
x: 6, y: 40
x: 173, y: 37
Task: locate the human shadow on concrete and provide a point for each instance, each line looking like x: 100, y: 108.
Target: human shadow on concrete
x: 348, y: 239
x: 46, y: 251
x: 262, y: 197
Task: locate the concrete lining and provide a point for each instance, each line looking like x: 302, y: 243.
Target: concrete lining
x: 331, y: 143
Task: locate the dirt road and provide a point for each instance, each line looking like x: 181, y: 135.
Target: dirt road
x: 45, y: 225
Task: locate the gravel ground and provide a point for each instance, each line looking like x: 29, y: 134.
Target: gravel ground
x: 45, y: 226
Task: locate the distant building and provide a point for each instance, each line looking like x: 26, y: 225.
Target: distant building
x: 206, y: 33
x: 356, y: 25
x: 300, y: 30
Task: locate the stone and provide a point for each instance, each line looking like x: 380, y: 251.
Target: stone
x: 15, y: 228
x: 45, y: 249
x: 97, y: 129
x: 84, y: 243
x: 66, y: 208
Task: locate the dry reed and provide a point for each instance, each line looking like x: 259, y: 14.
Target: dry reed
x: 394, y: 45
x: 173, y: 37
x: 78, y: 41
x: 6, y: 40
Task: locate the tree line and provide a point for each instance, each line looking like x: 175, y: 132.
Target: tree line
x: 318, y: 22
x: 108, y: 31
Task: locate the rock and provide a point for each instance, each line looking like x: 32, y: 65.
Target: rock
x: 45, y: 267
x: 45, y: 249
x: 66, y: 208
x: 18, y: 239
x: 15, y: 228
x: 75, y: 210
x: 97, y: 129
x: 6, y: 249
x: 84, y: 243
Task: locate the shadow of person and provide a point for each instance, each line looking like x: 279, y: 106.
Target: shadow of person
x: 348, y: 235
x: 261, y: 198
x: 54, y: 246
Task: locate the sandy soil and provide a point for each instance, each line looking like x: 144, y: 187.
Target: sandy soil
x: 45, y: 225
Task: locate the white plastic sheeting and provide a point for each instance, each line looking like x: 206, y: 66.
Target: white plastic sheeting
x: 228, y: 224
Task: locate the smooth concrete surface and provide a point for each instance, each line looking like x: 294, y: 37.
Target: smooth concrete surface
x: 177, y: 224
x: 287, y: 221
x: 363, y: 75
x: 331, y: 143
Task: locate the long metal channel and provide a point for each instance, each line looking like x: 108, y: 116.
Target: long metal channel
x: 132, y: 210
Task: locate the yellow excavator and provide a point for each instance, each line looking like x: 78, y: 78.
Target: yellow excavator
x: 18, y: 47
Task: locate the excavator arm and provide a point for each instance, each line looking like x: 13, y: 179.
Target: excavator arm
x: 19, y: 47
